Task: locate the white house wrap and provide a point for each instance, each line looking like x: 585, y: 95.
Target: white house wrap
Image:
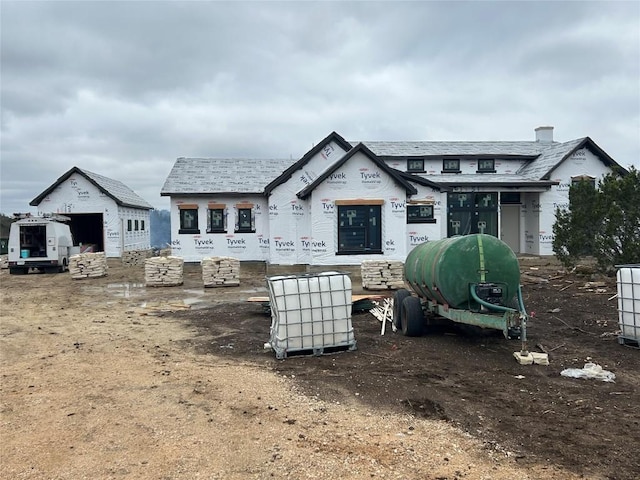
x: 346, y: 202
x: 104, y: 213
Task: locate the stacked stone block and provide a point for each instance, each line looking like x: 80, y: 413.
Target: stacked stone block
x: 88, y: 265
x: 163, y: 271
x: 382, y: 274
x: 221, y: 272
x: 4, y: 261
x: 136, y: 257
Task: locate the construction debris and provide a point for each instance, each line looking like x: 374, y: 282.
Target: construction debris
x: 221, y: 272
x: 383, y: 312
x: 382, y: 274
x: 163, y: 271
x: 88, y: 265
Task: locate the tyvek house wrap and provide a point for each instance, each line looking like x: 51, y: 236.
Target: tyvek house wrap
x: 290, y: 228
x: 77, y: 195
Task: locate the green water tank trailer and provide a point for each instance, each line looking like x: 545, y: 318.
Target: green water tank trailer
x: 470, y: 279
x: 443, y: 270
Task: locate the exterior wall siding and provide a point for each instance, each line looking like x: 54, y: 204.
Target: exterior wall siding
x: 244, y: 246
x: 78, y: 195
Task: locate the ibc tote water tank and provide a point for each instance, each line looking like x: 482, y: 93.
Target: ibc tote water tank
x: 310, y: 313
x: 443, y: 270
x: 628, y: 278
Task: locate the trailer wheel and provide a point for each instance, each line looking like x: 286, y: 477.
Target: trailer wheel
x: 398, y: 298
x: 412, y: 317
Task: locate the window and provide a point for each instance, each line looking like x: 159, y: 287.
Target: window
x: 486, y: 165
x: 451, y: 165
x: 512, y: 198
x: 129, y: 227
x: 359, y: 229
x: 137, y: 225
x: 142, y: 225
x: 415, y: 165
x: 216, y: 220
x: 245, y: 221
x: 420, y: 214
x: 575, y: 181
x: 188, y: 219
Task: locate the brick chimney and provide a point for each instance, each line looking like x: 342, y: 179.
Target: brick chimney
x: 544, y: 134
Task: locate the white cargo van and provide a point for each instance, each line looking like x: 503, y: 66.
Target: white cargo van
x: 43, y: 242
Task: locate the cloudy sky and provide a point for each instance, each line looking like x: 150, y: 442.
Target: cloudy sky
x: 124, y: 88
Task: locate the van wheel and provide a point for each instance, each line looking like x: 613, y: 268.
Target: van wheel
x: 398, y: 298
x: 412, y: 317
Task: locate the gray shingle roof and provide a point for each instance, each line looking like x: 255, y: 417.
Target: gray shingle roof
x: 114, y: 189
x: 122, y: 194
x: 222, y: 175
x: 407, y: 149
x: 550, y: 157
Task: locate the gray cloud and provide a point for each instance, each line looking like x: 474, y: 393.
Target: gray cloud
x: 123, y: 88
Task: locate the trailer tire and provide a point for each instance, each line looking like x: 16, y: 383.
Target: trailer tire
x: 412, y: 317
x: 398, y: 298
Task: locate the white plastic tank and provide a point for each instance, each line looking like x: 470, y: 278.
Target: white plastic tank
x: 628, y: 277
x: 310, y: 313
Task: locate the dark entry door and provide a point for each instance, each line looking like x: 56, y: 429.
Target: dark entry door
x: 472, y: 212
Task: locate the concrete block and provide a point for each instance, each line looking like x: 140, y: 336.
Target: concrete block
x: 540, y: 358
x: 523, y: 359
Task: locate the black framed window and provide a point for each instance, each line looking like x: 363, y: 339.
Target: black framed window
x: 136, y: 225
x: 359, y: 229
x: 451, y: 165
x: 142, y: 225
x: 245, y: 221
x: 420, y: 214
x: 216, y: 220
x: 415, y: 165
x: 487, y: 165
x: 189, y: 220
x: 129, y: 226
x: 510, y: 198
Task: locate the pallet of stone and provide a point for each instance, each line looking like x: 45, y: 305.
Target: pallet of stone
x: 4, y: 261
x: 136, y: 257
x: 221, y: 272
x: 163, y: 271
x: 88, y: 265
x: 382, y: 274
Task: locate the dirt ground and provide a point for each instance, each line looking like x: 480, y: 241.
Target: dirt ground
x: 105, y: 378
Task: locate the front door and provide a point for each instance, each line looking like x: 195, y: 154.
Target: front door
x: 510, y: 226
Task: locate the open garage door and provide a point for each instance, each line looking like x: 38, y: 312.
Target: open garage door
x: 87, y: 229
